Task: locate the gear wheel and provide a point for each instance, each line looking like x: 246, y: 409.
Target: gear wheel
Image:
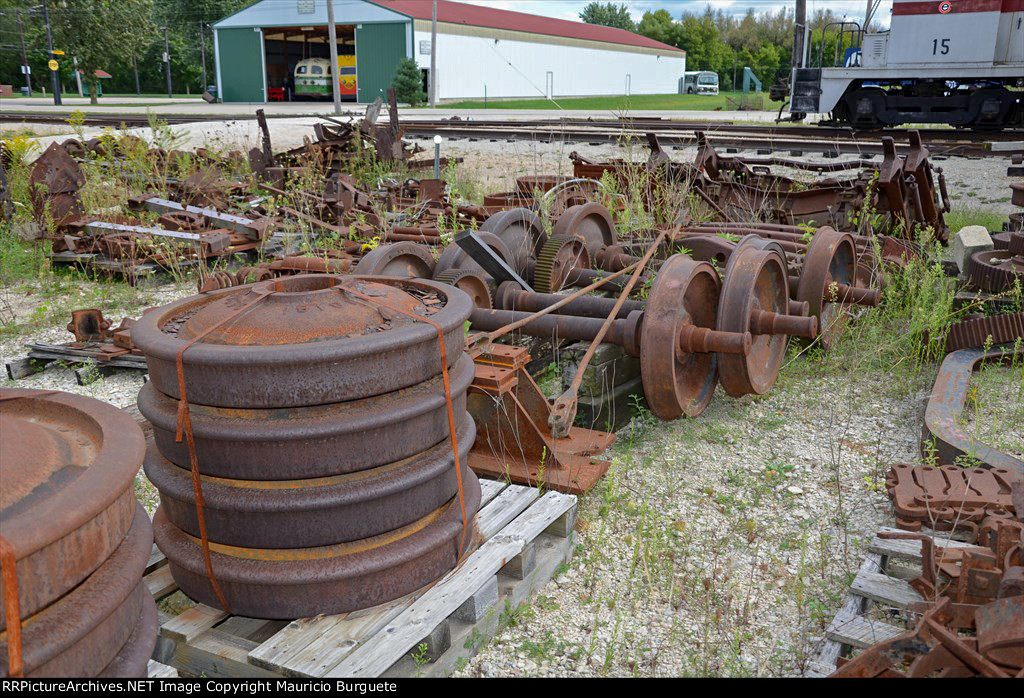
x: 975, y: 332
x: 559, y: 254
x: 995, y: 271
x: 475, y: 285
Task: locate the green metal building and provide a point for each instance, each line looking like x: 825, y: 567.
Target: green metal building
x: 257, y: 48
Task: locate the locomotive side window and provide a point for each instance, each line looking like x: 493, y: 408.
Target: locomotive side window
x: 940, y: 49
x: 301, y: 70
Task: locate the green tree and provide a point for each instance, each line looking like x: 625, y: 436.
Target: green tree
x: 409, y: 83
x: 659, y: 26
x: 609, y: 15
x: 93, y: 33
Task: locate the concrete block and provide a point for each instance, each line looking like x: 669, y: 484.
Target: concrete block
x: 970, y: 239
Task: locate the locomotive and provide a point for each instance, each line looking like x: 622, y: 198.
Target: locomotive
x: 956, y: 62
x: 313, y: 77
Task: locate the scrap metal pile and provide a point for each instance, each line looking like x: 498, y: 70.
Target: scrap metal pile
x: 75, y: 541
x: 310, y: 441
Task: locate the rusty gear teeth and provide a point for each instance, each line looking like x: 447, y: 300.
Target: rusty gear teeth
x: 477, y: 286
x: 548, y: 276
x: 975, y: 333
x: 995, y: 271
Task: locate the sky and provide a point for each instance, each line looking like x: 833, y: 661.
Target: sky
x: 570, y: 9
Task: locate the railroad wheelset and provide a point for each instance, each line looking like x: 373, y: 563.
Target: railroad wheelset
x: 521, y: 231
x: 402, y: 260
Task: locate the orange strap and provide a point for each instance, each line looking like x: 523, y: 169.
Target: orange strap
x: 12, y: 609
x: 185, y: 426
x: 447, y: 395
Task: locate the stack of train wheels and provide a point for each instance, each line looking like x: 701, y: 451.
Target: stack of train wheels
x: 80, y: 539
x: 321, y: 438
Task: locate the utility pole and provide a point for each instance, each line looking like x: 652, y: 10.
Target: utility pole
x: 167, y: 63
x: 135, y: 67
x: 24, y: 56
x: 332, y: 33
x: 202, y: 53
x: 78, y: 75
x: 433, y: 55
x: 54, y: 78
x: 799, y: 29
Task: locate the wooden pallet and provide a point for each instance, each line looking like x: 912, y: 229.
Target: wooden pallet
x: 91, y: 369
x: 526, y: 535
x: 876, y: 587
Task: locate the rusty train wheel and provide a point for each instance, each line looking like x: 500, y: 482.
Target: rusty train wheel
x: 831, y: 258
x: 454, y: 258
x: 67, y: 464
x: 591, y: 222
x: 402, y: 260
x: 132, y: 661
x: 308, y: 322
x: 300, y: 582
x: 675, y: 383
x: 559, y: 256
x: 321, y: 511
x: 521, y: 231
x: 82, y: 632
x: 473, y: 284
x: 755, y: 279
x: 309, y: 442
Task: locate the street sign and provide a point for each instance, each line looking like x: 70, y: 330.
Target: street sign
x: 53, y: 65
x: 57, y: 52
x: 26, y: 69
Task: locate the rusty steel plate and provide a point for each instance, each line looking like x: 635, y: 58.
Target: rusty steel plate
x: 675, y: 383
x: 949, y: 495
x: 67, y: 464
x: 321, y: 511
x: 591, y: 222
x: 454, y: 258
x: 831, y: 258
x: 309, y: 442
x: 309, y: 341
x: 132, y: 661
x: 755, y: 279
x: 82, y: 632
x: 944, y: 431
x: 402, y: 260
x: 301, y: 582
x: 521, y: 231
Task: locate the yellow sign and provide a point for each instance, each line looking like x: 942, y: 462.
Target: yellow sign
x: 53, y: 65
x: 57, y: 52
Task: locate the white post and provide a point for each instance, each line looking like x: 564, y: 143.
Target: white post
x: 433, y: 54
x: 332, y: 33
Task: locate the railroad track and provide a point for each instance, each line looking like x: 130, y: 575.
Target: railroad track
x: 768, y: 138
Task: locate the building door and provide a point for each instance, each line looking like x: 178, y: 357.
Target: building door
x: 241, y: 64
x: 379, y: 49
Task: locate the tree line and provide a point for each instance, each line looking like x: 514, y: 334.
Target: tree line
x: 125, y: 38
x: 724, y: 43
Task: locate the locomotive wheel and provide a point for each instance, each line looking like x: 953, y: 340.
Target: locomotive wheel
x: 454, y: 258
x: 756, y: 278
x: 559, y: 255
x: 521, y: 230
x: 831, y: 259
x: 403, y: 260
x: 592, y: 223
x: 473, y: 283
x: 675, y: 382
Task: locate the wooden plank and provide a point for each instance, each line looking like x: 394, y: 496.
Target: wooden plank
x: 217, y: 657
x: 386, y: 647
x: 253, y: 629
x: 156, y: 559
x: 885, y: 590
x: 193, y: 622
x: 906, y: 549
x: 824, y: 663
x: 489, y: 489
x: 505, y: 507
x: 540, y: 516
x: 318, y: 644
x: 160, y: 582
x: 156, y: 670
x: 862, y: 632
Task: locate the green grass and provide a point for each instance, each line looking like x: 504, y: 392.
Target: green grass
x: 724, y: 100
x: 958, y: 218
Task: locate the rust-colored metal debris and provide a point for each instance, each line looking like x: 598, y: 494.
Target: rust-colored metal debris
x: 949, y: 497
x: 54, y: 183
x: 994, y: 329
x: 996, y: 271
x: 80, y: 540
x: 943, y: 431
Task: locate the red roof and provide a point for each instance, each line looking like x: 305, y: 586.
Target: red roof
x: 479, y: 16
x: 98, y: 73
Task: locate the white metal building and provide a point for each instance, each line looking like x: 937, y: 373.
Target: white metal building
x: 481, y: 51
